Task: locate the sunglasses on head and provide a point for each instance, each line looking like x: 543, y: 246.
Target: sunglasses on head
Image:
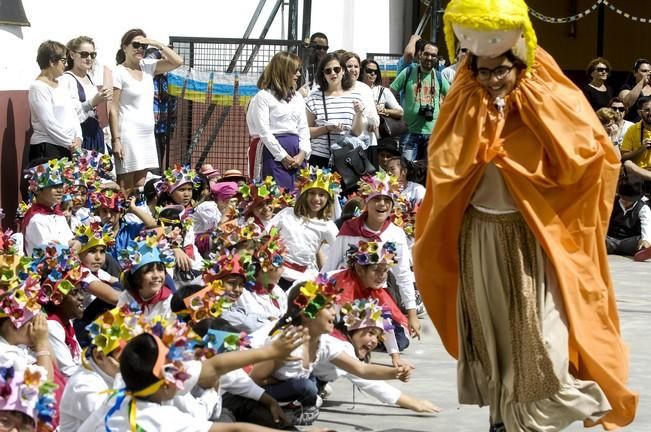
x: 86, y: 54
x: 370, y: 71
x: 335, y: 69
x: 138, y: 45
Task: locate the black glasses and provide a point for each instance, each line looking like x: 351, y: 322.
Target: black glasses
x: 602, y: 69
x: 370, y: 71
x: 86, y: 54
x: 499, y: 72
x: 328, y: 71
x: 618, y: 108
x: 319, y: 47
x: 63, y: 59
x: 463, y: 50
x: 138, y: 45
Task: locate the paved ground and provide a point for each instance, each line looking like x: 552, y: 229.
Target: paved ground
x: 435, y: 375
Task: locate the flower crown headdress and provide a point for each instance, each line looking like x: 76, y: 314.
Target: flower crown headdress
x: 366, y: 312
x: 312, y: 177
x: 93, y: 235
x: 379, y: 184
x: 24, y: 388
x: 271, y: 254
x: 48, y: 174
x: 60, y: 270
x: 209, y: 302
x: 227, y: 263
x: 153, y: 248
x: 316, y: 294
x: 108, y: 198
x: 263, y: 190
x: 100, y: 163
x: 173, y: 178
x: 21, y: 300
x: 114, y: 328
x: 219, y: 341
x: 404, y: 216
x: 367, y: 253
x: 231, y: 234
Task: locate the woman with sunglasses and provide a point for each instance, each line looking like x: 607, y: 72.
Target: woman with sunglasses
x: 597, y: 91
x: 618, y: 105
x: 633, y: 90
x: 333, y: 109
x: 385, y: 101
x: 132, y: 112
x: 55, y: 123
x: 77, y: 80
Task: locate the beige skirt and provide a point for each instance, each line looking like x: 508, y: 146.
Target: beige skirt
x: 513, y: 330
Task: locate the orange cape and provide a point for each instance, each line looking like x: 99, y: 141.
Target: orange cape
x: 561, y: 170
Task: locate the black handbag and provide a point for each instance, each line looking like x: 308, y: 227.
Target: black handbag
x: 351, y: 163
x: 390, y: 127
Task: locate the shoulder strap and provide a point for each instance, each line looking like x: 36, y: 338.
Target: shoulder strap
x: 325, y: 110
x: 80, y: 88
x: 380, y: 95
x: 404, y: 87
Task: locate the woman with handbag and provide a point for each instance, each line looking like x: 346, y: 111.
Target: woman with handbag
x: 333, y: 109
x: 387, y: 106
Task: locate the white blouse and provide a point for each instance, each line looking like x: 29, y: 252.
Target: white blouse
x: 54, y: 118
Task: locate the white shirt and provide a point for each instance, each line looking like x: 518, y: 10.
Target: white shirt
x: 371, y: 117
x: 236, y: 382
x: 622, y: 131
x: 206, y: 217
x: 402, y: 270
x: 54, y: 118
x: 383, y: 95
x: 645, y: 220
x: 162, y: 308
x: 15, y: 353
x: 267, y: 116
x: 84, y: 109
x: 326, y: 371
x: 67, y: 363
x: 43, y: 229
x: 83, y: 395
x: 449, y: 72
x: 252, y: 310
x: 414, y: 192
x: 295, y: 369
x: 303, y: 238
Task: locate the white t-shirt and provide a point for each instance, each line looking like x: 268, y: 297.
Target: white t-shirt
x: 303, y: 238
x: 251, y: 310
x: 84, y: 109
x: 414, y: 192
x: 54, y: 119
x: 82, y: 396
x: 43, y: 229
x: 295, y: 369
x: 326, y: 371
x: 66, y: 361
x: 162, y: 308
x: 206, y: 217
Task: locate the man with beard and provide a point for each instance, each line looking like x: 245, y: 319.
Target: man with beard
x: 423, y: 87
x: 636, y: 147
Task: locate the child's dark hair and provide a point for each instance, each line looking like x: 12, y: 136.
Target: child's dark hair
x: 350, y: 210
x: 149, y: 190
x: 293, y: 314
x: 177, y: 304
x: 341, y: 326
x: 137, y: 362
x: 417, y: 172
x: 133, y: 280
x: 301, y: 208
x: 201, y: 328
x: 198, y: 195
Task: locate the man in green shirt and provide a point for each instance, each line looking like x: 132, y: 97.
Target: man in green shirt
x: 422, y: 87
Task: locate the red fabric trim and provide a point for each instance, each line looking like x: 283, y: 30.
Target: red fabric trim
x: 356, y: 227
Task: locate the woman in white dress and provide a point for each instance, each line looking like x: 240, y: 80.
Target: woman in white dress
x: 132, y: 113
x: 77, y: 80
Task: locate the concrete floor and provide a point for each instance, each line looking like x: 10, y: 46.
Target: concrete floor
x: 435, y: 374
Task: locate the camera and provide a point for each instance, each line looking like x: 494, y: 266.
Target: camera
x: 426, y: 111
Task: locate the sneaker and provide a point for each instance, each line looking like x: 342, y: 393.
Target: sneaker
x: 642, y: 254
x: 420, y: 307
x: 319, y: 401
x: 305, y: 416
x: 325, y: 392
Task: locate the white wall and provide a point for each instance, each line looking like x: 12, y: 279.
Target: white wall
x: 361, y: 25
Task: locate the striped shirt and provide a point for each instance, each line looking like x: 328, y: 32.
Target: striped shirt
x: 340, y: 110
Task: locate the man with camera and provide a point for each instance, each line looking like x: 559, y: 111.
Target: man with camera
x: 636, y: 146
x: 423, y: 88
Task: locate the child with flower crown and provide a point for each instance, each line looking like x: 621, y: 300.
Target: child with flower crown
x: 379, y: 193
x: 312, y: 305
x: 308, y: 226
x: 177, y: 225
x: 94, y: 240
x: 144, y: 264
x: 44, y: 222
x: 364, y: 325
x: 27, y: 399
x: 412, y: 191
x: 156, y: 367
x: 264, y: 301
x: 260, y: 199
x: 219, y: 208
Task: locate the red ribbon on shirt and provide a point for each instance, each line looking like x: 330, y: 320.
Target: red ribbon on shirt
x: 160, y: 296
x: 356, y: 227
x: 36, y: 209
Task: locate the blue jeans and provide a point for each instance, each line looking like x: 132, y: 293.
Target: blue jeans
x: 414, y: 146
x: 303, y: 390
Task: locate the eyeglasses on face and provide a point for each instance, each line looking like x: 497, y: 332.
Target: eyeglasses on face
x: 499, y: 72
x: 370, y: 71
x: 618, y: 108
x: 86, y: 54
x: 328, y: 71
x: 62, y: 59
x: 138, y: 45
x: 319, y: 47
x: 602, y: 69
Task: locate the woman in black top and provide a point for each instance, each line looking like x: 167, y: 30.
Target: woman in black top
x: 597, y: 92
x: 632, y: 91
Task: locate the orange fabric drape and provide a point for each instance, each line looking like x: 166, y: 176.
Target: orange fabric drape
x: 561, y: 170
